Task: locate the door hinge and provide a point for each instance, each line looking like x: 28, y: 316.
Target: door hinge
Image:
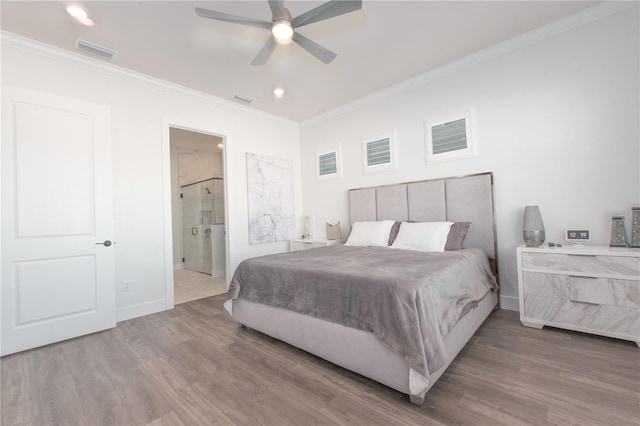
x: 183, y: 259
x: 181, y: 195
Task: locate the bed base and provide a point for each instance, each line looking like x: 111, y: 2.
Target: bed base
x: 353, y: 349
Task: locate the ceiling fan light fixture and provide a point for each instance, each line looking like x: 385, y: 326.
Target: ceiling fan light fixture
x: 283, y: 26
x: 282, y: 31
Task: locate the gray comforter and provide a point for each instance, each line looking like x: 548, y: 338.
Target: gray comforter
x: 408, y: 299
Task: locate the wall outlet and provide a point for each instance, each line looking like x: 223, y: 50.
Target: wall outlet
x: 126, y: 285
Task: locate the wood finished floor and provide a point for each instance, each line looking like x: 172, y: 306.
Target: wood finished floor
x: 194, y: 366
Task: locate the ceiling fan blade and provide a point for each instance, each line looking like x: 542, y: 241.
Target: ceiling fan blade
x: 227, y: 17
x: 327, y: 10
x: 277, y: 9
x: 323, y: 54
x: 263, y: 55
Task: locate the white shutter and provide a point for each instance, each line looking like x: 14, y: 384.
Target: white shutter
x: 451, y: 136
x: 379, y: 152
x: 327, y: 164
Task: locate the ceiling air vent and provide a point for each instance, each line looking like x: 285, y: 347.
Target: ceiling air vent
x: 103, y: 52
x: 243, y: 98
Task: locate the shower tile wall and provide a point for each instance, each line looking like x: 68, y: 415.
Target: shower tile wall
x: 197, y: 165
x: 218, y: 201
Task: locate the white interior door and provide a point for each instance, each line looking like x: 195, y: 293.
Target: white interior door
x: 57, y: 210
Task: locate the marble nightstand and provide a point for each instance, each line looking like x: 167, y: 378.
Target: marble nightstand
x: 592, y: 289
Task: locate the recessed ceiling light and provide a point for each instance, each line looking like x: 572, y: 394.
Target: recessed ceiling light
x: 279, y: 93
x: 81, y: 15
x: 77, y: 12
x: 220, y: 145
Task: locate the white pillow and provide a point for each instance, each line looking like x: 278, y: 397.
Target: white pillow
x: 370, y: 233
x: 422, y: 236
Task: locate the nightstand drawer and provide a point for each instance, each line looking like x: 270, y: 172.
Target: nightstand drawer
x: 583, y: 289
x: 584, y: 316
x: 607, y: 265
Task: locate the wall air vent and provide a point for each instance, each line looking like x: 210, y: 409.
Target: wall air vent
x: 243, y: 98
x: 94, y: 49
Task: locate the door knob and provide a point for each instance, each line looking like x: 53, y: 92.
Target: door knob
x: 106, y: 243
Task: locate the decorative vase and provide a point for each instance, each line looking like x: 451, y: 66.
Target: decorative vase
x: 532, y: 227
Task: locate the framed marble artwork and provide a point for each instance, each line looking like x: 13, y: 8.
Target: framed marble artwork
x: 271, y: 202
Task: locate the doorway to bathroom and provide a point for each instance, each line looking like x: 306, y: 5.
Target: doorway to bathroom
x: 198, y: 199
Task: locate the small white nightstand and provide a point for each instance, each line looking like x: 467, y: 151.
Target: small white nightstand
x: 306, y: 243
x: 592, y: 289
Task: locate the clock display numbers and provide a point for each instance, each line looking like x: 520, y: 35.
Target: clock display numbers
x: 578, y: 235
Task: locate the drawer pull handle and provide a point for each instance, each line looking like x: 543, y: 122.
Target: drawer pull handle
x: 585, y: 303
x: 582, y: 276
x: 582, y: 255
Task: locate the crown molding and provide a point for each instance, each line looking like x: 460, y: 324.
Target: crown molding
x: 567, y: 23
x: 38, y: 48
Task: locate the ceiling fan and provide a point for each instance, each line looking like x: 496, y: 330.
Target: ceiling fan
x: 283, y: 26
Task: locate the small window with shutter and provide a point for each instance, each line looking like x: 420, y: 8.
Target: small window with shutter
x: 379, y: 153
x: 451, y: 137
x: 328, y: 164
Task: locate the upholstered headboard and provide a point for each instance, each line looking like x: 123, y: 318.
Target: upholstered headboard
x: 454, y: 199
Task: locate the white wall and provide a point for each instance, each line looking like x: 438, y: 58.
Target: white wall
x: 558, y: 124
x: 139, y: 110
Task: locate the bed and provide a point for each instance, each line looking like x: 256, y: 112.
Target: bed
x: 410, y: 321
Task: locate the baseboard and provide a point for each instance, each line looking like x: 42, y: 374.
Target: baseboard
x: 509, y: 303
x: 139, y: 310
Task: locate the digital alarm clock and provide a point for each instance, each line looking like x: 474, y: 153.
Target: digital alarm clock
x: 578, y: 236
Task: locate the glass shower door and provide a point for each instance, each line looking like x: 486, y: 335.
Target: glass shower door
x: 197, y: 218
